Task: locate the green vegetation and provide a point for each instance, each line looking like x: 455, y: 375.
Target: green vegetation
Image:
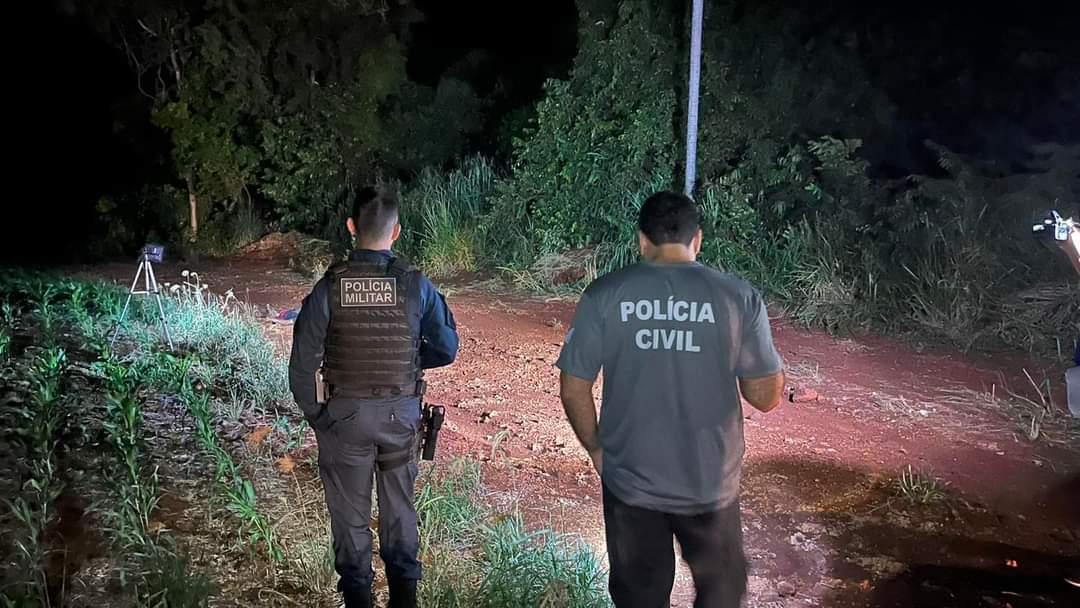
x: 33, y: 509
x: 274, y: 116
x: 441, y: 214
x: 476, y: 557
x: 920, y: 488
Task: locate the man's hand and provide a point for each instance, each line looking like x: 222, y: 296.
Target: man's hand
x: 597, y: 457
x: 318, y: 419
x: 577, y: 399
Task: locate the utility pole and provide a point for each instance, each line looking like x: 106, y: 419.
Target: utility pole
x: 693, y: 92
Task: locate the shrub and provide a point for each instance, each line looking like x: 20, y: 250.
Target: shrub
x: 602, y: 137
x: 440, y: 214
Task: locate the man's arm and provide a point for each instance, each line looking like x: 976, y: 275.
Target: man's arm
x: 759, y: 368
x: 577, y: 400
x: 438, y: 331
x: 763, y: 393
x: 309, y: 336
x: 580, y: 361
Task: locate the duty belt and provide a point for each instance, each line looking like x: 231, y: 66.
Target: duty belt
x: 376, y: 392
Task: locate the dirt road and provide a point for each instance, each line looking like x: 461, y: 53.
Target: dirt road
x: 825, y: 524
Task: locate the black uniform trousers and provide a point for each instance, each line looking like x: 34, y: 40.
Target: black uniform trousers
x: 642, y: 555
x: 366, y: 439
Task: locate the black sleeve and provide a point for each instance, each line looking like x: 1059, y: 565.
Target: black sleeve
x: 438, y: 331
x: 309, y: 335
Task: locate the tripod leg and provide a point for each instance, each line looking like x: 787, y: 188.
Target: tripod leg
x: 127, y: 303
x: 161, y: 309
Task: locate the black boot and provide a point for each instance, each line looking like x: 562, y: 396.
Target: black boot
x: 402, y: 593
x: 358, y: 598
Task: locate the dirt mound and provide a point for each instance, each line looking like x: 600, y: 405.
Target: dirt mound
x: 306, y: 254
x: 568, y: 267
x: 274, y: 246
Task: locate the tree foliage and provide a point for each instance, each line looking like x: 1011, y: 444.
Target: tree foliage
x: 289, y: 104
x: 601, y: 136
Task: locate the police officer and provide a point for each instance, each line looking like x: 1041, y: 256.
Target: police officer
x: 677, y: 342
x: 373, y: 324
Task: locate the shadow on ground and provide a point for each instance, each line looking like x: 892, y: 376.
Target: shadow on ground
x: 821, y: 534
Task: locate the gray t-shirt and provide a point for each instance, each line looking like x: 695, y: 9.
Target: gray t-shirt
x: 671, y: 339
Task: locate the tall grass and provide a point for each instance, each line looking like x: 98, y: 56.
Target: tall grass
x: 477, y: 557
x: 441, y: 212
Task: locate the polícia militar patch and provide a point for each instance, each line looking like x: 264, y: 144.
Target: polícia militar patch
x: 380, y: 291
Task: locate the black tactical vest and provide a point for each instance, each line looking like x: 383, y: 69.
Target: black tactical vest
x: 373, y: 339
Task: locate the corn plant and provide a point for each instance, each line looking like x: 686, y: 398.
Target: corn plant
x: 5, y: 343
x: 39, y: 429
x: 240, y: 493
x: 10, y: 313
x: 136, y: 492
x: 43, y: 296
x: 77, y: 307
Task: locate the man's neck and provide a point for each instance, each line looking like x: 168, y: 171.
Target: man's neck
x: 672, y: 254
x: 377, y: 246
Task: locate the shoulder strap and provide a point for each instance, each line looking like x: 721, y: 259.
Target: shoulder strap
x: 401, y: 266
x: 338, y: 268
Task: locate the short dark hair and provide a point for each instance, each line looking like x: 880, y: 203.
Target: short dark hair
x: 375, y: 212
x: 669, y: 217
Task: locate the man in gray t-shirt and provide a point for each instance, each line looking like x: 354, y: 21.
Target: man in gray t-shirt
x: 677, y: 342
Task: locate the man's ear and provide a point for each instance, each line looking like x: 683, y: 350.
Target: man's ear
x: 351, y: 225
x: 396, y: 232
x: 644, y: 244
x: 695, y: 244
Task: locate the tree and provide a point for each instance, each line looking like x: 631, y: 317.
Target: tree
x: 601, y: 137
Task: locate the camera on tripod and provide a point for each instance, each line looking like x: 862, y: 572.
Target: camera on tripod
x: 1054, y: 226
x: 152, y: 253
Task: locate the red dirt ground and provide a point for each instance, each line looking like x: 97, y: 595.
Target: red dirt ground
x: 824, y: 525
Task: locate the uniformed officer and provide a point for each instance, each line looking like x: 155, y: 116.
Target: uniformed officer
x: 677, y: 342
x: 373, y: 324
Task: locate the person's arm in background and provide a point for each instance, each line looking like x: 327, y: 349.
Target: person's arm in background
x: 309, y: 336
x: 580, y: 362
x: 438, y: 331
x: 759, y: 367
x: 1071, y: 247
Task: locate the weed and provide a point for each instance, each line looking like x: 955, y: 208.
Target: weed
x: 920, y: 488
x: 232, y: 354
x: 476, y: 557
x: 314, y: 561
x: 239, y: 492
x: 526, y: 568
x: 901, y: 405
x: 448, y: 507
x: 170, y: 582
x: 293, y: 432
